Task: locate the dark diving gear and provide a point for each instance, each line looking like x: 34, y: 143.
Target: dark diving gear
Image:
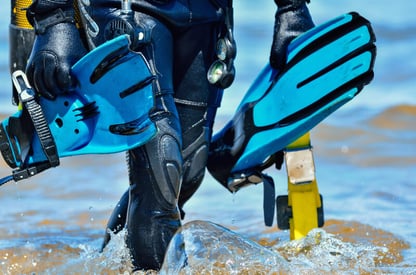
x: 111, y: 22
x: 123, y: 23
x: 222, y: 72
x: 155, y: 171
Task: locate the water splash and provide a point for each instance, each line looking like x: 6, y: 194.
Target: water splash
x: 341, y: 247
x: 115, y: 256
x: 114, y: 259
x: 321, y: 252
x: 213, y: 249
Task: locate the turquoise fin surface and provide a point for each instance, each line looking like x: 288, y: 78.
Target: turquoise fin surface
x: 326, y: 68
x: 108, y: 111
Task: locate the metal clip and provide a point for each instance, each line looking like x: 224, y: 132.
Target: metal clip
x: 22, y: 86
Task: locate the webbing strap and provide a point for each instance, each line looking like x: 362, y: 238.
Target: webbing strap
x: 269, y: 197
x: 44, y: 133
x: 27, y: 98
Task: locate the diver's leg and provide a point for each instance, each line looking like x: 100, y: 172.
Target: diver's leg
x: 152, y: 209
x: 117, y: 220
x: 196, y: 101
x: 155, y: 169
x: 155, y: 174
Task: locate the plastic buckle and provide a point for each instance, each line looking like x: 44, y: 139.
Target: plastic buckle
x: 241, y: 180
x: 24, y: 90
x: 25, y: 173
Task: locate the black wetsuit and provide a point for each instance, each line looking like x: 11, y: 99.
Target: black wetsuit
x: 180, y: 48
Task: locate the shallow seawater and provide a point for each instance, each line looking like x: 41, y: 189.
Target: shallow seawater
x: 53, y: 223
x: 365, y: 157
x: 213, y: 249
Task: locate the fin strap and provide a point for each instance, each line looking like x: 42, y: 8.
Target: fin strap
x: 251, y: 177
x: 27, y: 97
x: 5, y: 180
x: 268, y: 199
x: 43, y: 131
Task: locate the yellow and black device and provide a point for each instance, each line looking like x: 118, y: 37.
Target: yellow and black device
x: 302, y: 209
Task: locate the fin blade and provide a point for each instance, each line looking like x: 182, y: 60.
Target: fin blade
x: 317, y: 74
x: 327, y: 67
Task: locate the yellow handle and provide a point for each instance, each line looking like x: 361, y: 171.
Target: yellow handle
x: 303, y: 193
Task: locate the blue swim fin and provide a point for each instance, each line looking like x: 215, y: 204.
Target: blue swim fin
x: 326, y: 67
x: 107, y: 112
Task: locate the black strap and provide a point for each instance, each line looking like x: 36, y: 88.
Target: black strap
x: 240, y: 180
x: 44, y: 133
x: 27, y: 98
x: 269, y: 198
x: 5, y: 180
x: 51, y: 19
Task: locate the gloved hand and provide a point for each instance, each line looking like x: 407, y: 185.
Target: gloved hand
x: 292, y: 19
x: 57, y: 46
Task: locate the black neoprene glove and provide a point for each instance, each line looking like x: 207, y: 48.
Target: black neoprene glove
x: 292, y: 19
x: 58, y: 46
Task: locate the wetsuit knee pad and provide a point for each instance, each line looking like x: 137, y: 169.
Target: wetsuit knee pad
x: 156, y: 167
x: 155, y: 177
